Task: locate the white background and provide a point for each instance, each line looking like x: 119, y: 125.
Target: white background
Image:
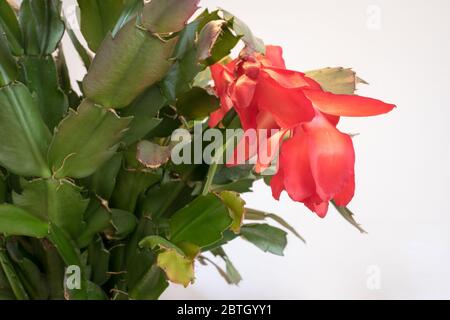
x: 402, y: 157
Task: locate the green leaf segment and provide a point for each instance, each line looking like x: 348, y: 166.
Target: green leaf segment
x: 91, y: 207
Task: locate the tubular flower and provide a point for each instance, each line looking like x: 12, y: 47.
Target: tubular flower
x: 316, y: 162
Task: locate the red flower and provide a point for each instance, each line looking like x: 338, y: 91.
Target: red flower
x: 316, y: 163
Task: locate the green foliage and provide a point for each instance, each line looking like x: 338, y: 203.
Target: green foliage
x: 42, y: 26
x: 33, y: 280
x: 131, y: 184
x: 99, y: 131
x: 8, y: 68
x: 15, y: 221
x: 144, y: 111
x: 265, y: 237
x: 349, y: 216
x: 9, y: 26
x: 150, y: 286
x: 235, y: 207
x: 135, y: 57
x: 336, y: 80
x: 98, y: 259
x: 20, y: 118
x: 12, y: 286
x: 84, y: 54
x: 216, y: 41
x: 103, y: 181
x: 165, y: 16
x: 242, y: 30
x: 39, y: 74
x: 92, y: 185
x: 197, y: 104
x: 56, y: 201
x: 252, y: 214
x: 230, y: 274
x: 202, y: 222
x: 98, y: 18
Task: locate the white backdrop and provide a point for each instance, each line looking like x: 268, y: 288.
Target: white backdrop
x: 402, y: 48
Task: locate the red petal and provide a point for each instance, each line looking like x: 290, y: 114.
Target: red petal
x: 251, y: 68
x: 268, y: 150
x: 331, y: 157
x: 243, y: 91
x: 334, y: 120
x: 291, y: 79
x: 215, y: 117
x: 217, y: 74
x: 265, y: 120
x: 245, y: 149
x: 289, y: 107
x: 247, y: 116
x: 222, y: 80
x: 277, y: 184
x: 294, y: 161
x: 274, y: 57
x: 320, y: 208
x: 345, y: 196
x: 230, y: 66
x: 346, y: 105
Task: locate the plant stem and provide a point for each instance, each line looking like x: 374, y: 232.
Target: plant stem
x: 348, y: 215
x: 71, y: 257
x: 55, y: 270
x: 13, y: 278
x: 215, y: 164
x: 229, y: 118
x: 209, y: 177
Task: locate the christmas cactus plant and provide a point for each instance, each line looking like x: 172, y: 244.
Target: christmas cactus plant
x: 117, y: 187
